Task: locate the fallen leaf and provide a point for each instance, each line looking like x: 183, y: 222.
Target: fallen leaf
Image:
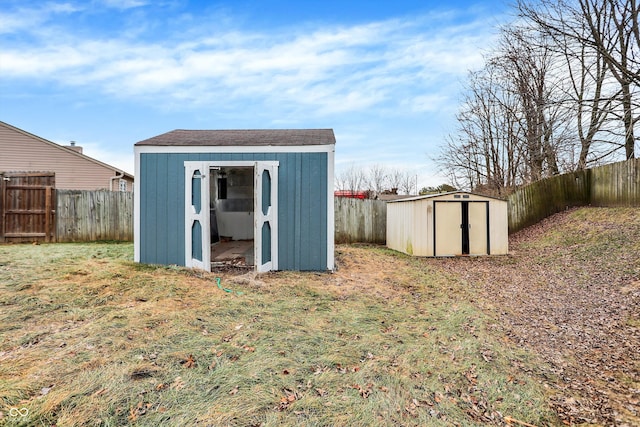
x: 286, y: 400
x: 190, y: 362
x: 138, y: 410
x: 365, y: 391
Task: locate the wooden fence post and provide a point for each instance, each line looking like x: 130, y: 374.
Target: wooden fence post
x: 48, y: 194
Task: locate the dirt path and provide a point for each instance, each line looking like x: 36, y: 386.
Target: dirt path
x: 570, y: 291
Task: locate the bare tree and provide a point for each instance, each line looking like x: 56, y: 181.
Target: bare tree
x: 394, y: 179
x: 525, y: 62
x: 408, y: 183
x: 510, y: 128
x: 587, y: 74
x: 351, y: 179
x: 609, y: 28
x: 546, y: 102
x: 377, y: 178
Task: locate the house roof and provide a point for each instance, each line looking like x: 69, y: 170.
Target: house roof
x: 257, y: 137
x: 66, y: 149
x: 432, y: 196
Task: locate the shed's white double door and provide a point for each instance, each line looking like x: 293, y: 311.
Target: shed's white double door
x: 265, y: 210
x: 461, y: 228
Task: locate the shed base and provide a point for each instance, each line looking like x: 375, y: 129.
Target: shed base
x: 236, y: 253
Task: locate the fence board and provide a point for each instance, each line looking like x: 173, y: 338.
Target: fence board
x: 615, y: 184
x: 362, y: 221
x: 94, y: 215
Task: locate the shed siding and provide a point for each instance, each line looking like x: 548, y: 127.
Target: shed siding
x: 302, y: 206
x: 498, y: 231
x: 21, y: 152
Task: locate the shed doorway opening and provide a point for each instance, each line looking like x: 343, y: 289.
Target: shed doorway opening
x: 231, y: 215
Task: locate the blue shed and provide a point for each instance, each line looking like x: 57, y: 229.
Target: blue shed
x: 261, y: 198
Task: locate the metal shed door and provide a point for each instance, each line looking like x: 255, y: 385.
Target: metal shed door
x: 197, y: 236
x: 266, y: 216
x: 447, y: 228
x: 461, y: 228
x: 478, y: 228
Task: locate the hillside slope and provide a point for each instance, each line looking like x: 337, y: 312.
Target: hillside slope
x: 570, y: 291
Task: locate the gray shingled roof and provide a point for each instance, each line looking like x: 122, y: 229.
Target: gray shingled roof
x: 260, y: 137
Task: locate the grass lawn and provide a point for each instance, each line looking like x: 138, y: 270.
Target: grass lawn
x: 87, y: 337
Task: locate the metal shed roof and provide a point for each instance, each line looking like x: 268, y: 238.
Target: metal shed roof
x: 252, y: 137
x: 431, y: 196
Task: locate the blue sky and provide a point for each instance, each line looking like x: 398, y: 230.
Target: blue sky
x: 385, y: 75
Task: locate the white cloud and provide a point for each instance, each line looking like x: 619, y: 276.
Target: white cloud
x: 124, y: 4
x: 28, y: 19
x: 329, y: 71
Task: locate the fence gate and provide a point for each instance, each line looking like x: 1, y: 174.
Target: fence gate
x: 27, y: 206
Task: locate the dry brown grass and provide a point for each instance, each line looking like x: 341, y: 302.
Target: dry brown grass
x: 90, y: 338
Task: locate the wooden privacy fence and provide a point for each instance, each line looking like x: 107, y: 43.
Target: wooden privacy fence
x: 615, y: 184
x: 27, y: 203
x: 362, y: 221
x: 83, y: 216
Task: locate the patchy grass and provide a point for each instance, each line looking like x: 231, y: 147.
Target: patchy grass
x: 87, y: 337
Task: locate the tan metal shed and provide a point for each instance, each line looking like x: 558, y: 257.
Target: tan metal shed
x: 448, y: 224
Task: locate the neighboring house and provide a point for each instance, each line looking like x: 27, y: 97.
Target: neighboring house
x: 257, y: 198
x: 25, y: 152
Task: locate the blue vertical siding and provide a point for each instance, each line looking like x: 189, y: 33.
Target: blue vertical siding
x: 302, y: 206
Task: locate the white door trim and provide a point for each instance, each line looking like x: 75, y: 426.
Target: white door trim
x: 203, y: 216
x: 270, y: 217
